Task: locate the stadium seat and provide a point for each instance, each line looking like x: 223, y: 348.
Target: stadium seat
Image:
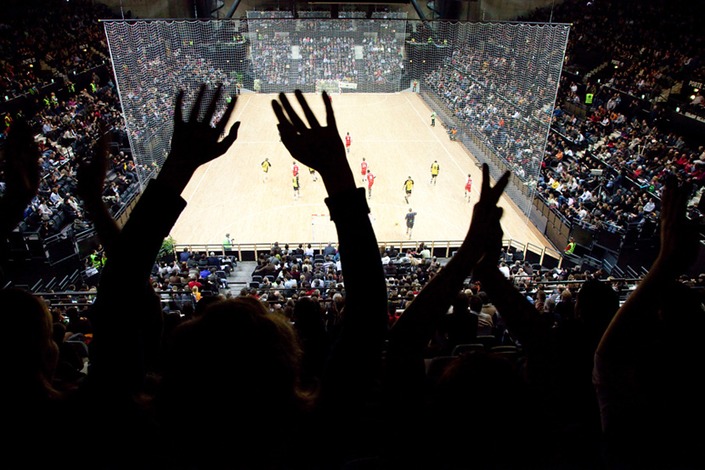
x: 511, y: 353
x: 467, y: 348
x: 223, y: 278
x: 488, y: 340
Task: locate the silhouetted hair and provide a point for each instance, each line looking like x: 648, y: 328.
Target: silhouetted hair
x: 475, y: 303
x: 596, y: 304
x: 29, y: 352
x: 234, y: 370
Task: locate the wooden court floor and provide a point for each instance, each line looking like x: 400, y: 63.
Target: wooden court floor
x: 391, y: 131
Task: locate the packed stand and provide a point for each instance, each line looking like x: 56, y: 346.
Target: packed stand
x: 48, y: 41
x: 323, y: 56
x: 596, y: 385
x: 500, y: 98
x: 613, y: 32
x: 624, y: 135
x: 69, y: 120
x: 310, y: 381
x: 604, y: 171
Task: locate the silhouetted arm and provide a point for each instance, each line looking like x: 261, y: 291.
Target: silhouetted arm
x: 412, y: 332
x: 127, y: 313
x: 522, y: 318
x: 414, y: 329
x: 645, y: 366
x: 194, y: 143
x: 92, y: 169
x: 640, y: 311
x: 322, y: 149
x: 406, y: 385
x: 352, y: 373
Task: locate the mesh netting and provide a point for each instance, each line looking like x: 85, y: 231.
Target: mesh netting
x: 152, y: 60
x: 497, y: 85
x: 365, y: 55
x: 494, y: 82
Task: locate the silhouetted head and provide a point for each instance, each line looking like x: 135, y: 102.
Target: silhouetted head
x: 234, y: 371
x: 475, y: 303
x: 463, y: 407
x: 28, y: 349
x: 461, y: 303
x: 596, y: 303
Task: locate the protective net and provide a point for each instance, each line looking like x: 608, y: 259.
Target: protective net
x: 496, y: 86
x: 153, y: 59
x: 493, y: 85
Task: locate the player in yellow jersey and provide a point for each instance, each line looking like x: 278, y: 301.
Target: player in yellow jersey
x: 435, y: 167
x: 295, y: 184
x: 408, y: 186
x: 266, y: 165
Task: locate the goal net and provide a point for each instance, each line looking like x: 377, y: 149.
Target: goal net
x: 495, y: 83
x: 329, y: 86
x: 322, y: 228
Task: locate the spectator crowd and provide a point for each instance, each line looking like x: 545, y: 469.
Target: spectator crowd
x: 610, y: 147
x: 349, y: 358
x: 544, y: 382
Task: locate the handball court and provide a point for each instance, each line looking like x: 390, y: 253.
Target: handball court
x: 391, y: 131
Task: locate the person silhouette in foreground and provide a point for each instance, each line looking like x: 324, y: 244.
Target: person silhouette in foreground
x: 36, y: 398
x: 117, y: 425
x: 348, y: 400
x: 557, y: 367
x: 492, y: 396
x: 232, y: 379
x: 477, y: 398
x: 127, y: 335
x: 31, y: 400
x: 648, y: 363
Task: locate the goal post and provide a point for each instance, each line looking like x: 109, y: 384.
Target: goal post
x: 332, y: 87
x: 322, y: 228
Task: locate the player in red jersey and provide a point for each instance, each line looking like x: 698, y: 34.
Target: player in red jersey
x: 363, y: 169
x: 348, y: 141
x: 370, y: 182
x: 468, y: 187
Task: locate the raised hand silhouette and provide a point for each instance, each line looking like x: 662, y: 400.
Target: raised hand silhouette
x: 318, y: 147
